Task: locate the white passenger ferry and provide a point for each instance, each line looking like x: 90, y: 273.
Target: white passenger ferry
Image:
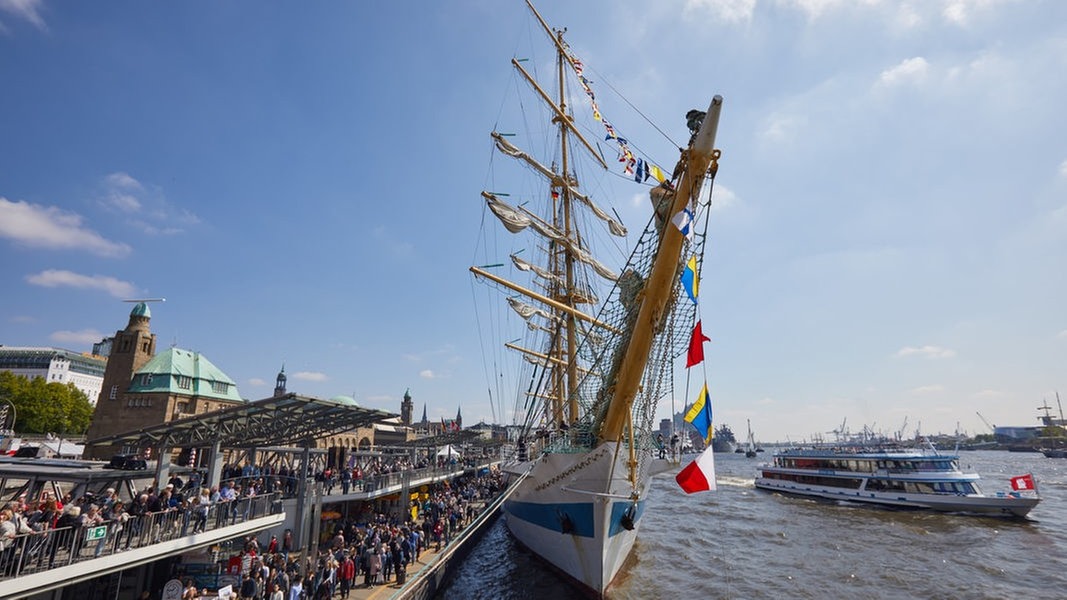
x: 896, y: 477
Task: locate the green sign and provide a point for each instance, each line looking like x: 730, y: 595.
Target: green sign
x: 96, y: 533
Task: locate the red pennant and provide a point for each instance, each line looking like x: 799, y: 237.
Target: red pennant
x: 696, y: 347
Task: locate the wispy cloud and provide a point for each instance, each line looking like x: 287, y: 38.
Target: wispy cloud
x: 52, y: 228
x: 779, y: 127
x: 27, y: 10
x: 310, y: 376
x: 961, y: 12
x: 392, y: 243
x: 910, y: 71
x: 722, y: 198
x: 122, y: 192
x: 928, y: 389
x: 1063, y: 169
x: 22, y: 319
x: 931, y: 352
x: 53, y: 278
x: 256, y: 382
x: 427, y: 374
x: 1062, y: 335
x: 85, y: 336
x: 145, y: 208
x: 731, y: 11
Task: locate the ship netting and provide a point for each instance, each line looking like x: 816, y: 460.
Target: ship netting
x: 603, y: 353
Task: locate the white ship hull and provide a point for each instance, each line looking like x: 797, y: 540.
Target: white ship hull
x: 1006, y: 505
x: 573, y: 511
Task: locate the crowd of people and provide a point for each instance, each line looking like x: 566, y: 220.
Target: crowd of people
x: 370, y: 550
x: 371, y: 547
x: 41, y: 533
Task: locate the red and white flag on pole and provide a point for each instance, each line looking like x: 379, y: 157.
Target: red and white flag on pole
x: 699, y: 475
x: 1023, y: 483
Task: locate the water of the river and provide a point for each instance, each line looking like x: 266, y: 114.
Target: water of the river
x: 739, y: 542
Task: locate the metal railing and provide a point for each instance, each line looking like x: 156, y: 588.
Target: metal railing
x: 52, y: 548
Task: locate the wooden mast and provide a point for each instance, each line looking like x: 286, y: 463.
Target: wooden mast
x: 570, y: 324
x: 660, y: 283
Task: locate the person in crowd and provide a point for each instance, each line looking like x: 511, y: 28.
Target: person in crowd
x: 116, y: 518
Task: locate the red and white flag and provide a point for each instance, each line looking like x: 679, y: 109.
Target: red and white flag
x: 1023, y: 483
x: 699, y: 475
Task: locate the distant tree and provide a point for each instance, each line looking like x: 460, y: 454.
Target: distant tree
x: 43, y: 407
x: 1054, y: 431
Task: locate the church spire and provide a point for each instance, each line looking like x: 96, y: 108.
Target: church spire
x: 279, y: 384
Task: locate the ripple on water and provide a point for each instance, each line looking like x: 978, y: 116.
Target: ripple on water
x: 742, y: 543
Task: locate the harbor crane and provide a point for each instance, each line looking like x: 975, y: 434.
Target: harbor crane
x: 841, y: 433
x: 991, y: 428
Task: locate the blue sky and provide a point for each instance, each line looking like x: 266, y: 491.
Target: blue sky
x: 300, y: 181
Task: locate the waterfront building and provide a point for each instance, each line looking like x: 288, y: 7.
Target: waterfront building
x: 56, y: 365
x: 141, y: 388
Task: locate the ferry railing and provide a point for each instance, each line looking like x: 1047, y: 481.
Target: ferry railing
x: 53, y: 548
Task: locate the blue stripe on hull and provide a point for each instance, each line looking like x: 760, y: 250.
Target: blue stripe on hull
x: 580, y: 514
x: 551, y: 516
x: 618, y: 509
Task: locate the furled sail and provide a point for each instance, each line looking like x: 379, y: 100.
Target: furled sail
x: 527, y: 311
x: 542, y: 272
x: 512, y: 219
x: 616, y: 228
x: 516, y: 220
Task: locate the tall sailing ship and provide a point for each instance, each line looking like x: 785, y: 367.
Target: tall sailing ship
x: 600, y: 345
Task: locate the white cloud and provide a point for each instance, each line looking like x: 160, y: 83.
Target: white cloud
x: 310, y: 376
x: 146, y: 209
x: 722, y: 198
x: 23, y: 319
x: 928, y: 389
x: 52, y: 278
x: 52, y: 228
x: 427, y: 374
x: 1062, y: 335
x: 256, y: 382
x: 123, y: 181
x: 85, y: 336
x: 960, y: 12
x: 911, y: 70
x: 781, y: 128
x: 27, y: 10
x: 931, y: 352
x: 731, y: 11
x: 1063, y: 169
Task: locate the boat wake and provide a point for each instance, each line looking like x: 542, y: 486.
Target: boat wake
x: 736, y: 482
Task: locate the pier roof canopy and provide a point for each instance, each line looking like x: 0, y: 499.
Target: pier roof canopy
x: 289, y: 420
x: 441, y: 439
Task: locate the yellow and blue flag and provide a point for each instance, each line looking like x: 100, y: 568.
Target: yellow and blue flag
x: 690, y: 280
x: 700, y: 414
